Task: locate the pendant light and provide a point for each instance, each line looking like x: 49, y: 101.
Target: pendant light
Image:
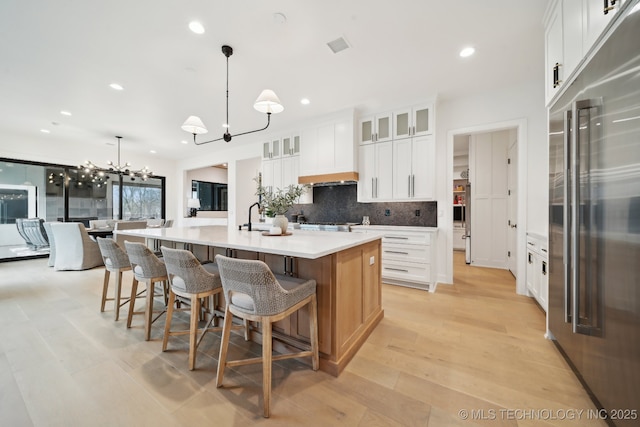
x: 267, y: 102
x: 117, y: 168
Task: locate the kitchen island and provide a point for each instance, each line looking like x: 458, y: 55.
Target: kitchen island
x: 346, y: 267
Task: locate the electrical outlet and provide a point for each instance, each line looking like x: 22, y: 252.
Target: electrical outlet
x: 372, y: 260
x: 417, y: 212
x: 387, y: 212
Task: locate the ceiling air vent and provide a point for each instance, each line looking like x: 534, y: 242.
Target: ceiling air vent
x: 338, y: 45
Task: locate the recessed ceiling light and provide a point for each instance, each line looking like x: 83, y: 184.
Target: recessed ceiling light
x: 225, y: 125
x: 224, y: 164
x: 196, y: 27
x: 467, y: 51
x: 305, y: 101
x: 279, y: 18
x: 152, y: 151
x: 116, y: 86
x: 65, y: 113
x: 45, y: 131
x: 184, y: 142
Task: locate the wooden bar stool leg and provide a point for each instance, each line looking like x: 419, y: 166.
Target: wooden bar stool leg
x: 167, y: 323
x: 224, y: 346
x: 148, y: 311
x: 132, y: 301
x: 193, y: 330
x: 266, y: 365
x: 116, y: 297
x: 105, y: 287
x: 313, y: 333
x: 246, y: 329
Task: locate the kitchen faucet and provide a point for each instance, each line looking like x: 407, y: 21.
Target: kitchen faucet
x: 251, y: 207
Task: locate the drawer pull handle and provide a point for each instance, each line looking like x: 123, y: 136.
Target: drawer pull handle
x: 394, y: 237
x: 397, y: 252
x: 396, y: 269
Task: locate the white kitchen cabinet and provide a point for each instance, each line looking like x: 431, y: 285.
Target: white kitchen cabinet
x: 596, y: 15
x: 375, y: 129
x: 458, y: 238
x: 537, y: 268
x: 414, y: 169
x: 376, y: 172
x: 408, y: 258
x: 328, y: 149
x: 290, y: 170
x: 290, y: 173
x: 271, y: 149
x: 272, y: 174
x: 572, y: 27
x: 413, y: 121
x: 554, y: 60
x: 291, y: 145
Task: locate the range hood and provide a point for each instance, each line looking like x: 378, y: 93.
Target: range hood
x: 330, y: 178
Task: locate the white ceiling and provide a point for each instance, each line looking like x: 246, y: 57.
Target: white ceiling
x: 62, y: 55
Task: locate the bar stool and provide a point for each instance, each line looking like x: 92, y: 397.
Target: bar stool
x: 194, y: 281
x: 149, y: 269
x: 253, y: 293
x: 115, y: 261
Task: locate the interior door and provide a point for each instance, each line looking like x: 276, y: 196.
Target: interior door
x: 512, y: 192
x: 488, y: 169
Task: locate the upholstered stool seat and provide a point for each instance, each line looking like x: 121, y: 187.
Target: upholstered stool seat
x: 115, y: 261
x: 254, y: 293
x: 150, y: 269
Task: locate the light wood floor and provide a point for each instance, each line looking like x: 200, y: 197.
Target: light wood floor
x: 472, y: 346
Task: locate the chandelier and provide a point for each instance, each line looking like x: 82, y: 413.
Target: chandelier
x: 97, y: 174
x: 267, y: 102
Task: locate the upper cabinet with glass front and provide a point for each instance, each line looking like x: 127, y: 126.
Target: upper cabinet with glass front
x: 271, y: 149
x: 376, y: 128
x: 291, y: 145
x: 413, y: 121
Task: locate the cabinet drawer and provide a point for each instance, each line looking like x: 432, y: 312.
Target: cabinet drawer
x: 410, y: 272
x: 411, y: 253
x: 407, y: 238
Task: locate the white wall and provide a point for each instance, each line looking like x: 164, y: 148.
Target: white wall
x: 522, y: 105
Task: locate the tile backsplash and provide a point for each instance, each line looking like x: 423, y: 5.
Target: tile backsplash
x: 339, y: 203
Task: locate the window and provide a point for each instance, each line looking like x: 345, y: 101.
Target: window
x: 140, y: 199
x: 212, y: 195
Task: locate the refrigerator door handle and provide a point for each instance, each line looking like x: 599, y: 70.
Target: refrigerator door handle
x: 566, y: 215
x: 586, y: 317
x: 574, y: 165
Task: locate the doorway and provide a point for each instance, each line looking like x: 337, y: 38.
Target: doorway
x: 496, y: 201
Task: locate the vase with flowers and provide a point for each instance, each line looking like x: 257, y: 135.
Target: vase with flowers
x: 277, y: 203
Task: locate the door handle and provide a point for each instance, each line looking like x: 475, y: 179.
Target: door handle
x: 566, y: 215
x: 556, y: 75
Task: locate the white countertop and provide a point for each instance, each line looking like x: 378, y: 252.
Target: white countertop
x: 361, y: 228
x: 302, y: 244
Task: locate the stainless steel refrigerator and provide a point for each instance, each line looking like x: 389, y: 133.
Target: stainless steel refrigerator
x: 594, y: 222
